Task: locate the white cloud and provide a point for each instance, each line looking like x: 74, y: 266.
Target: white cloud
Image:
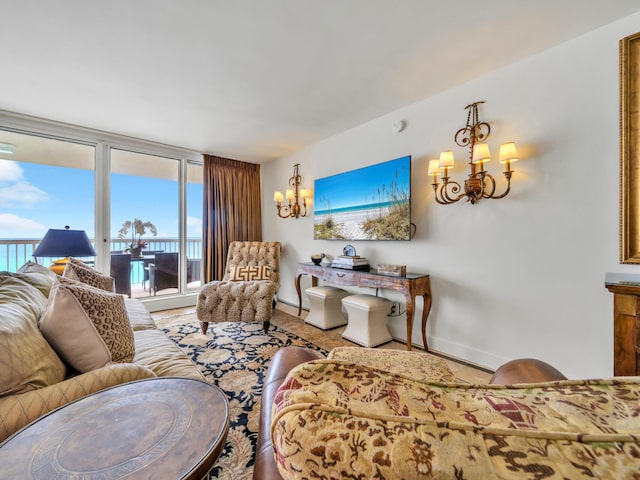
x: 194, y: 224
x: 10, y: 171
x: 24, y: 226
x: 21, y: 194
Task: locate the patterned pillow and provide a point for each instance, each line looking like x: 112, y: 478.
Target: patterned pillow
x: 77, y: 270
x: 88, y: 327
x: 245, y: 273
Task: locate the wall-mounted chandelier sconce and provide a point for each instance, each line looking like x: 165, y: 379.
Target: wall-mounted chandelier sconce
x: 480, y: 183
x: 294, y: 194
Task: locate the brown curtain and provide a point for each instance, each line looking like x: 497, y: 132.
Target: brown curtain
x: 231, y: 210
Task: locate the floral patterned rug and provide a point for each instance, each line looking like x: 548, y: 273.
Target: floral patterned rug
x: 235, y: 357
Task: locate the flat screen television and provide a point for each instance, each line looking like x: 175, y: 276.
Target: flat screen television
x: 370, y: 203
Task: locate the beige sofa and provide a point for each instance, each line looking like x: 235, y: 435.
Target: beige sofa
x: 35, y: 380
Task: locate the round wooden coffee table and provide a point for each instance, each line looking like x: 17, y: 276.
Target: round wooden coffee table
x: 158, y: 428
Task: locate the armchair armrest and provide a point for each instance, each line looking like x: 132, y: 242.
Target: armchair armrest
x: 17, y: 411
x: 283, y: 361
x: 525, y: 370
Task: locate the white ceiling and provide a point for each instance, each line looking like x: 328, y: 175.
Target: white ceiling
x: 254, y: 79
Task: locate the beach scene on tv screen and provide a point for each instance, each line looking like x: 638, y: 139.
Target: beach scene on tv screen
x: 370, y: 203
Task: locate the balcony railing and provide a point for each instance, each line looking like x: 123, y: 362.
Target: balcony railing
x: 16, y: 252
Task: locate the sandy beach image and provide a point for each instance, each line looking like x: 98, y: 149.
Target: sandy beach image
x: 348, y: 225
x: 370, y: 203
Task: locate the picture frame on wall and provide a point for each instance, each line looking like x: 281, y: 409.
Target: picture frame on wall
x: 630, y: 149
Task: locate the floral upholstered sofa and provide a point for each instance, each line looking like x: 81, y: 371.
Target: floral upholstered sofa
x: 363, y: 413
x: 62, y: 339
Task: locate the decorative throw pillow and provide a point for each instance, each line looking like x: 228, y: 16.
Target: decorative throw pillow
x: 27, y: 361
x: 37, y: 275
x: 245, y: 273
x: 77, y: 270
x: 88, y: 327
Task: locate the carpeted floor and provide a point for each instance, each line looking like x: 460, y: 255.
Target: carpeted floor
x: 235, y: 357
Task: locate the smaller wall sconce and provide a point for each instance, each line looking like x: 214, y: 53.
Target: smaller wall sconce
x: 294, y: 194
x: 480, y: 183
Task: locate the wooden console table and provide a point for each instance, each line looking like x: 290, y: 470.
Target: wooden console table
x: 626, y: 323
x: 412, y: 285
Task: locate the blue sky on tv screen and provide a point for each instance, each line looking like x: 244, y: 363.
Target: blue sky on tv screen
x: 360, y: 187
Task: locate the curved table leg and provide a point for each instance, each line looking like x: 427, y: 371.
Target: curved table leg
x: 425, y: 316
x: 410, y: 310
x: 297, y: 282
x: 314, y: 283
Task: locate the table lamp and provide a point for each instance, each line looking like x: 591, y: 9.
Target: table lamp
x: 64, y: 243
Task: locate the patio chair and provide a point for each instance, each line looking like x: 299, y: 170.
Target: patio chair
x: 248, y: 289
x: 121, y: 272
x: 163, y: 272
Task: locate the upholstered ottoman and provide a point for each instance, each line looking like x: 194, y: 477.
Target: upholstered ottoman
x: 367, y: 320
x: 326, y: 307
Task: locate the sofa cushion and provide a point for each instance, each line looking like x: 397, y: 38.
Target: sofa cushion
x: 87, y: 326
x: 139, y: 316
x: 396, y: 362
x: 246, y: 273
x: 78, y: 270
x: 161, y: 355
x: 27, y: 361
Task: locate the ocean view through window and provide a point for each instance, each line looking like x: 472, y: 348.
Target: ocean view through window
x: 51, y: 183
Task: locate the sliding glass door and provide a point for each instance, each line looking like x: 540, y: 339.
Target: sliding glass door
x: 124, y: 192
x: 150, y: 254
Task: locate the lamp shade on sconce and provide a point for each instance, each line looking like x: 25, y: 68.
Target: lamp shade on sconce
x: 278, y: 197
x: 481, y: 153
x: 65, y: 243
x: 446, y: 159
x: 508, y: 153
x: 434, y: 167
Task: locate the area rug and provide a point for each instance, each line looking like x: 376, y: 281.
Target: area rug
x: 235, y: 357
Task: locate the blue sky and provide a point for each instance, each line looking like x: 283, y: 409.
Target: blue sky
x: 357, y: 187
x: 35, y: 197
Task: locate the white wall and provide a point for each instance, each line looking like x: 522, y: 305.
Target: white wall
x: 517, y: 277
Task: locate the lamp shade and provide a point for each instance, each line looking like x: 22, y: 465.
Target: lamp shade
x: 508, y: 153
x: 434, y: 167
x: 446, y: 159
x: 65, y: 243
x: 481, y: 153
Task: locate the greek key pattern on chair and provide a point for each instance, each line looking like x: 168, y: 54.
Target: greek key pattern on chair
x: 247, y: 273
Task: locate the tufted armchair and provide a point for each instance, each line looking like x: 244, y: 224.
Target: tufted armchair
x: 248, y: 289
